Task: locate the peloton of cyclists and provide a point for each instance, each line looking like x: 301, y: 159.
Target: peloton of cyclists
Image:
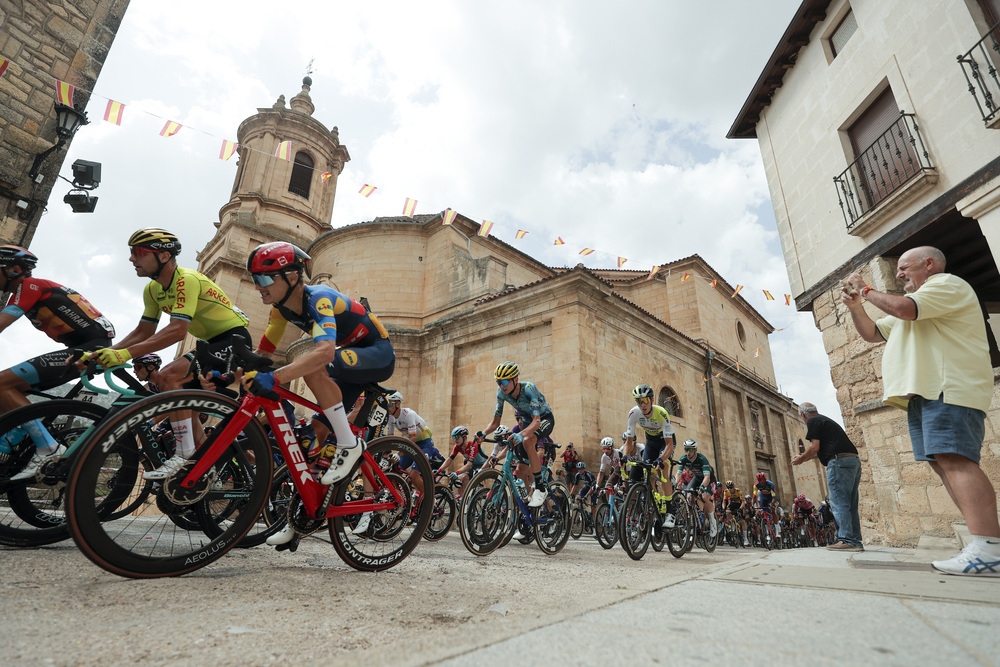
x: 63, y: 315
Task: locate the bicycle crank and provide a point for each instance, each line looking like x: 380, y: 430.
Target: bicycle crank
x: 180, y: 495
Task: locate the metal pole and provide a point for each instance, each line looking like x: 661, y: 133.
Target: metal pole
x: 711, y: 413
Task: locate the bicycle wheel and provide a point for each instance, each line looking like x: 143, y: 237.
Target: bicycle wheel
x: 634, y: 524
x: 552, y: 520
x: 526, y: 529
x: 680, y: 537
x: 766, y: 536
x: 442, y: 515
x: 149, y: 543
x: 32, y: 511
x: 576, y: 524
x: 391, y: 535
x: 487, y: 512
x: 711, y: 541
x: 606, y: 529
x: 658, y: 538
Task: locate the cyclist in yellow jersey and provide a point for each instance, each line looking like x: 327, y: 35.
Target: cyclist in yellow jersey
x: 195, y: 305
x: 660, y: 440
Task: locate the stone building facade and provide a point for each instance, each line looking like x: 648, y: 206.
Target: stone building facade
x: 457, y: 304
x: 44, y: 40
x: 872, y: 145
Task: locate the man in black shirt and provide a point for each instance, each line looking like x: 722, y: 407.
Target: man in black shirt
x: 829, y: 443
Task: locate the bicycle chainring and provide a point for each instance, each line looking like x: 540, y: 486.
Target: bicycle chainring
x: 180, y: 495
x: 299, y: 519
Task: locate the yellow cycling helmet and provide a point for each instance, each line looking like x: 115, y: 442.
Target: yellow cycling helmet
x: 156, y: 239
x: 508, y: 370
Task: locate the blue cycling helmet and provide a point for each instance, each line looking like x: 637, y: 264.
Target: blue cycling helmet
x: 459, y: 430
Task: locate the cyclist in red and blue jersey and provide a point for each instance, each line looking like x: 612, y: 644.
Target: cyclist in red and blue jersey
x: 61, y: 314
x: 472, y: 454
x: 351, y: 349
x: 526, y: 398
x: 763, y: 492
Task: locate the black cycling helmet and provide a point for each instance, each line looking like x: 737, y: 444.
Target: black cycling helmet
x: 642, y: 391
x: 148, y: 360
x: 13, y: 255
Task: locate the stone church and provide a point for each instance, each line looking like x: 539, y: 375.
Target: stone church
x: 457, y: 304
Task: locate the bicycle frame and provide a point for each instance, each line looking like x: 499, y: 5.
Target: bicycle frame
x: 313, y: 494
x: 507, y: 477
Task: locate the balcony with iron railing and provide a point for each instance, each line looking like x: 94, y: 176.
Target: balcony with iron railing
x: 895, y: 167
x: 980, y: 68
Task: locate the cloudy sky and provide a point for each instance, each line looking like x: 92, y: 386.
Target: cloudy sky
x: 602, y: 123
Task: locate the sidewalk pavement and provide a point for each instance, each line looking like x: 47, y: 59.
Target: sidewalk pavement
x: 884, y: 606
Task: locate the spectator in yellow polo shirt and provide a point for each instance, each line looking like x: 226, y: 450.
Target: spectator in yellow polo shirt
x: 936, y: 366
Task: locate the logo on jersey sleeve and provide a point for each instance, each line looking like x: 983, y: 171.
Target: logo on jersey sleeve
x: 340, y: 306
x: 324, y: 307
x: 350, y: 357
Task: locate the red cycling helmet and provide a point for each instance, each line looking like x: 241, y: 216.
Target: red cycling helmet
x: 761, y: 477
x: 277, y: 256
x: 801, y: 497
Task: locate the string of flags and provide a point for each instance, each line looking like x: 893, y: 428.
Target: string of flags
x: 115, y: 111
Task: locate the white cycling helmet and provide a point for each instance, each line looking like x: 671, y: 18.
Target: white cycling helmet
x: 608, y: 443
x: 395, y: 396
x: 501, y: 432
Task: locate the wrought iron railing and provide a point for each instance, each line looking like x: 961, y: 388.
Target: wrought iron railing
x: 881, y: 169
x: 980, y: 68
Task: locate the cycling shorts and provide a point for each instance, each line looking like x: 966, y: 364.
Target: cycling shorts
x: 50, y: 370
x: 427, y: 447
x: 655, y: 445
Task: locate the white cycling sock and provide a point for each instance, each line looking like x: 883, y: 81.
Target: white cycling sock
x: 341, y: 427
x: 183, y: 438
x: 991, y: 545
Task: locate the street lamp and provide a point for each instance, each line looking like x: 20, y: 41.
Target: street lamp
x: 68, y: 121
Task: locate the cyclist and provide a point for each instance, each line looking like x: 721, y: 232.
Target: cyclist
x: 732, y: 500
x: 703, y: 480
x: 147, y: 369
x: 763, y: 492
x: 610, y: 462
x: 196, y: 306
x: 413, y: 426
x: 472, y: 454
x: 60, y: 313
x: 803, y: 508
x: 660, y: 439
x: 526, y: 397
x: 570, y: 459
x: 351, y: 348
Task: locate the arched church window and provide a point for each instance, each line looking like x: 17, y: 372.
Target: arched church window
x: 670, y: 401
x: 302, y: 171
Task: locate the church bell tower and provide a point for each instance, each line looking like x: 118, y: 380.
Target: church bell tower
x: 274, y: 199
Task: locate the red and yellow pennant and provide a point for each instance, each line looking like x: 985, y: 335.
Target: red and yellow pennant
x: 449, y: 217
x: 64, y: 93
x: 587, y: 251
x: 113, y: 112
x: 409, y: 207
x: 284, y: 151
x: 788, y: 299
x: 325, y: 176
x: 484, y: 229
x: 713, y: 283
x: 767, y: 295
x: 652, y: 272
x: 3, y: 65
x: 170, y: 128
x: 737, y: 290
x: 227, y: 150
x: 621, y: 262
x: 685, y: 277
x: 756, y: 353
x: 367, y: 190
x: 521, y: 233
x: 559, y: 241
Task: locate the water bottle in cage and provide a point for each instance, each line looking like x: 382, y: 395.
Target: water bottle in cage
x: 521, y: 489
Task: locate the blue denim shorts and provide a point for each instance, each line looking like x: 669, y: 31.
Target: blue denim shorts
x: 939, y: 428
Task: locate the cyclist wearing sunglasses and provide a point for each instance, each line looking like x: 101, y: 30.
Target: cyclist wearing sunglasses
x: 660, y: 437
x: 526, y: 398
x: 352, y: 347
x: 195, y: 306
x: 61, y: 314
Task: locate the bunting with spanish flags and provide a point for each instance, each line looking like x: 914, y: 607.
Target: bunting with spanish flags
x: 587, y: 251
x: 3, y: 65
x: 170, y: 128
x: 325, y: 176
x: 284, y: 151
x: 621, y: 262
x: 652, y: 272
x: 767, y: 295
x: 788, y: 299
x: 520, y: 234
x: 64, y: 93
x: 559, y: 241
x: 449, y: 217
x: 756, y: 353
x: 409, y: 207
x: 737, y: 290
x: 113, y: 112
x: 227, y: 150
x: 367, y: 190
x: 484, y: 229
x: 713, y: 283
x: 685, y: 277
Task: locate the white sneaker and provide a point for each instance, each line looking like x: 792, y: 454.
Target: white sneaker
x: 970, y: 561
x: 284, y: 537
x: 537, y: 498
x: 668, y: 521
x: 363, y: 524
x: 517, y: 534
x: 31, y: 470
x: 342, y: 463
x: 172, y: 465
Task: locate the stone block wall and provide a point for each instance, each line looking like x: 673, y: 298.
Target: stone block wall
x: 44, y: 40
